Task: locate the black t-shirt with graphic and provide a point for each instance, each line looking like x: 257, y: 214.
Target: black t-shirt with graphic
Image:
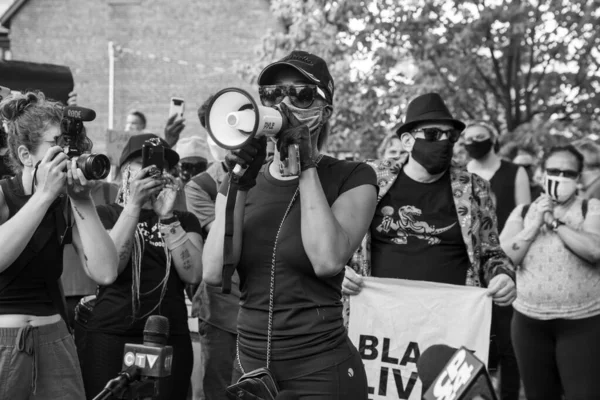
x: 113, y: 309
x: 416, y: 235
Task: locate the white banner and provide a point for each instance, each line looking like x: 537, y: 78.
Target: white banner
x: 392, y: 321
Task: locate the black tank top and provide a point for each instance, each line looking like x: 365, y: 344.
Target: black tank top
x: 503, y: 186
x: 26, y: 286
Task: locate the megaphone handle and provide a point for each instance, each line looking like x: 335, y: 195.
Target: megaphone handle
x: 239, y: 170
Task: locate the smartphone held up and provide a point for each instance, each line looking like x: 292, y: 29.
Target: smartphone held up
x: 177, y: 107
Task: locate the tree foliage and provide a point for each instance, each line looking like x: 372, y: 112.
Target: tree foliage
x: 530, y: 67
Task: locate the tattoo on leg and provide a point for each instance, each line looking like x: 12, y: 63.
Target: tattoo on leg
x: 78, y: 212
x: 515, y: 247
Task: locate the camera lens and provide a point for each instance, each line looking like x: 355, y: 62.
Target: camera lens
x: 94, y: 166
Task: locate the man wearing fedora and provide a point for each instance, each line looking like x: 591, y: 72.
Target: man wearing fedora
x: 434, y: 220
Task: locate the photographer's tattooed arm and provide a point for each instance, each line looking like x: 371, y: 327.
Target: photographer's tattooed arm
x: 186, y: 252
x: 93, y: 245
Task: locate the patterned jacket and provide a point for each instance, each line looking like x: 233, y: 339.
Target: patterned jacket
x: 476, y: 215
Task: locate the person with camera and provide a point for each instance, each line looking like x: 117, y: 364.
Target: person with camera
x: 44, y: 207
x: 292, y: 237
x: 160, y: 250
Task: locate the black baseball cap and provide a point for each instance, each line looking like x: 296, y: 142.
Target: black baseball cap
x: 312, y: 67
x: 133, y: 148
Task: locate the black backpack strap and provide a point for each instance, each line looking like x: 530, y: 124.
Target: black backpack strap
x: 207, y: 183
x: 524, y: 210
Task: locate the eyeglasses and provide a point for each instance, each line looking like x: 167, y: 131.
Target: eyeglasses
x: 434, y: 134
x: 301, y: 96
x: 567, y: 173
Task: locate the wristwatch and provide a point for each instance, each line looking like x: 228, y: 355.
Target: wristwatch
x: 555, y: 224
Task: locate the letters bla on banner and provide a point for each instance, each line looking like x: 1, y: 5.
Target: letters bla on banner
x: 393, y: 320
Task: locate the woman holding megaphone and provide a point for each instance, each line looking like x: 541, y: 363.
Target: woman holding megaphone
x: 291, y: 239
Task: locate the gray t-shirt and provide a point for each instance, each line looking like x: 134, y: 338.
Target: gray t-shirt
x: 208, y: 303
x: 552, y: 281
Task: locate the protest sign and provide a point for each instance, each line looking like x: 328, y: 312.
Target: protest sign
x: 392, y: 321
x: 115, y: 142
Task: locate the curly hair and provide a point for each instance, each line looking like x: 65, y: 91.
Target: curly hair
x: 27, y: 117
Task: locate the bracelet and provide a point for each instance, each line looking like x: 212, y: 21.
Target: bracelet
x: 169, y: 221
x: 173, y: 234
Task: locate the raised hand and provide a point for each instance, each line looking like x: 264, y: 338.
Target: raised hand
x: 165, y: 200
x: 77, y: 185
x: 251, y: 156
x: 144, y: 187
x: 298, y: 134
x: 51, y: 175
x: 173, y: 129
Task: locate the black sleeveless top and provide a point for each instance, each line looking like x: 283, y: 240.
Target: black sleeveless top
x: 503, y: 186
x: 28, y: 284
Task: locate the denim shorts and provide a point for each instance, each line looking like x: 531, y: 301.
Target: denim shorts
x: 39, y: 363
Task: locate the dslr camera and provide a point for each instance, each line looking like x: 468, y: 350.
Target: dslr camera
x: 75, y: 143
x: 153, y: 153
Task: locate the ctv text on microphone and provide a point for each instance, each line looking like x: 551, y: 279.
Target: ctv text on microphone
x: 152, y: 361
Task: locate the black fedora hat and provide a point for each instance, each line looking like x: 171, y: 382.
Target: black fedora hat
x: 133, y: 148
x: 427, y: 108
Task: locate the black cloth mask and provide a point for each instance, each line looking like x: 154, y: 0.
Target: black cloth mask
x: 477, y: 150
x: 434, y: 156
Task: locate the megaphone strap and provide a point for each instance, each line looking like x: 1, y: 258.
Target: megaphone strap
x: 228, y: 265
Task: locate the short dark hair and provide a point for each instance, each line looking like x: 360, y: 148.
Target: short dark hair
x: 141, y: 116
x: 564, y: 149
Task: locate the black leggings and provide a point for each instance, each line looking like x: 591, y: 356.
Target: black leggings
x: 557, y: 356
x: 101, y: 358
x: 344, y: 381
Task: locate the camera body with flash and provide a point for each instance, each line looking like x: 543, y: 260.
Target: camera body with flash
x: 76, y: 144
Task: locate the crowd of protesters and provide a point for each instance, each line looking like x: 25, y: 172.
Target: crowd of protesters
x: 85, y: 263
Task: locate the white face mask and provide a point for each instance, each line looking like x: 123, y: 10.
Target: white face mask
x: 218, y: 153
x: 560, y: 188
x: 311, y: 117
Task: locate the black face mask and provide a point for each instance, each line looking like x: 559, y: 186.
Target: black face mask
x: 477, y: 150
x: 434, y: 156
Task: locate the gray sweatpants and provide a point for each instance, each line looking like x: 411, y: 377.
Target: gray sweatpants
x: 39, y: 363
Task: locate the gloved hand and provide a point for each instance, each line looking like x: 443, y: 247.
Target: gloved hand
x: 252, y: 156
x: 299, y: 134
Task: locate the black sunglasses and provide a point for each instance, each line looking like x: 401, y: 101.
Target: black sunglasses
x: 434, y: 134
x: 567, y: 173
x: 301, y: 96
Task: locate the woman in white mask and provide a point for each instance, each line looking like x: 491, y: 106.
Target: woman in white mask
x: 556, y: 325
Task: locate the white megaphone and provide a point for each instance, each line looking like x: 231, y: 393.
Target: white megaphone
x: 233, y: 118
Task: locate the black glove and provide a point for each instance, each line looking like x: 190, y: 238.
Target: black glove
x: 296, y: 133
x: 251, y: 156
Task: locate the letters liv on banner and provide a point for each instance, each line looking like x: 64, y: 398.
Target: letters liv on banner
x: 392, y: 321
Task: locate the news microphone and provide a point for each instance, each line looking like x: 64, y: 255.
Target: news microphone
x: 81, y: 113
x: 117, y: 385
x: 453, y: 374
x: 153, y: 358
x: 287, y: 395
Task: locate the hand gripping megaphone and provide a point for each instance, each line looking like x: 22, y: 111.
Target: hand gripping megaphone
x: 233, y: 118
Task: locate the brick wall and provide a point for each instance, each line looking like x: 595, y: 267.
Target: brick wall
x: 212, y: 36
